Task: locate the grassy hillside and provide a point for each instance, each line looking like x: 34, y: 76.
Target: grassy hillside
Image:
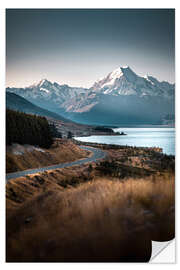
x: 19, y: 157
x: 102, y: 220
x: 97, y: 212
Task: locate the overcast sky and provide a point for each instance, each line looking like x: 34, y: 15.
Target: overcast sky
x: 76, y: 47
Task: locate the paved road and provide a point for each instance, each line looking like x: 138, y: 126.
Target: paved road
x: 97, y: 154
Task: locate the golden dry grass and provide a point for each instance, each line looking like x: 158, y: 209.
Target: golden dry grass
x: 102, y: 220
x: 19, y: 190
x: 61, y: 151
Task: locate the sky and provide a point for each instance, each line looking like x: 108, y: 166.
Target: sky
x: 78, y: 46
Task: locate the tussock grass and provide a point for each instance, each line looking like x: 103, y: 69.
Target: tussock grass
x: 61, y: 151
x: 20, y: 190
x: 102, y: 220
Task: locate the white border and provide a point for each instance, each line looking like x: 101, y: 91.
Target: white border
x: 89, y: 4
x: 73, y: 4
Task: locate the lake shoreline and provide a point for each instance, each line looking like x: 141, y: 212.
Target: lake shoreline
x: 163, y: 138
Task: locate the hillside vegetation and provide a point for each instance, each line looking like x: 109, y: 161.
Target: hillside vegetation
x: 27, y: 129
x: 22, y: 157
x: 101, y: 220
x: 108, y: 211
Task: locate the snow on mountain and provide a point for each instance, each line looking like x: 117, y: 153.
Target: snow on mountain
x: 45, y: 90
x: 121, y: 81
x: 124, y: 81
x: 121, y: 86
x: 48, y: 91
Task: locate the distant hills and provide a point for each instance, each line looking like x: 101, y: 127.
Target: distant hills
x: 17, y: 103
x: 121, y: 97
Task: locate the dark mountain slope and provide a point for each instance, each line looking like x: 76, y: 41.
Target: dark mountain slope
x: 18, y: 103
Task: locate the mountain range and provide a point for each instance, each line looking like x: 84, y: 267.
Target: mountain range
x: 121, y: 97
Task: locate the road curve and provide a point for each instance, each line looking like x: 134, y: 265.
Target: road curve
x: 97, y: 154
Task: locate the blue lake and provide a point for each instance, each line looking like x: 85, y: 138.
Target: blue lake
x: 146, y: 137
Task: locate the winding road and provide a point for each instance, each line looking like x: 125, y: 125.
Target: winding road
x: 97, y: 154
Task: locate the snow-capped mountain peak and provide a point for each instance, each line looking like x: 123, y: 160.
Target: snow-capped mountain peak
x: 129, y: 74
x: 44, y: 83
x: 113, y: 77
x: 117, y: 73
x: 121, y: 95
x: 122, y: 84
x: 124, y: 81
x: 48, y: 92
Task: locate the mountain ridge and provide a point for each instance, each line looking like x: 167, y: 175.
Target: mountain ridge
x: 18, y: 103
x: 119, y: 87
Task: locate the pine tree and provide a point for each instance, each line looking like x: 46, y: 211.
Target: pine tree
x: 27, y: 129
